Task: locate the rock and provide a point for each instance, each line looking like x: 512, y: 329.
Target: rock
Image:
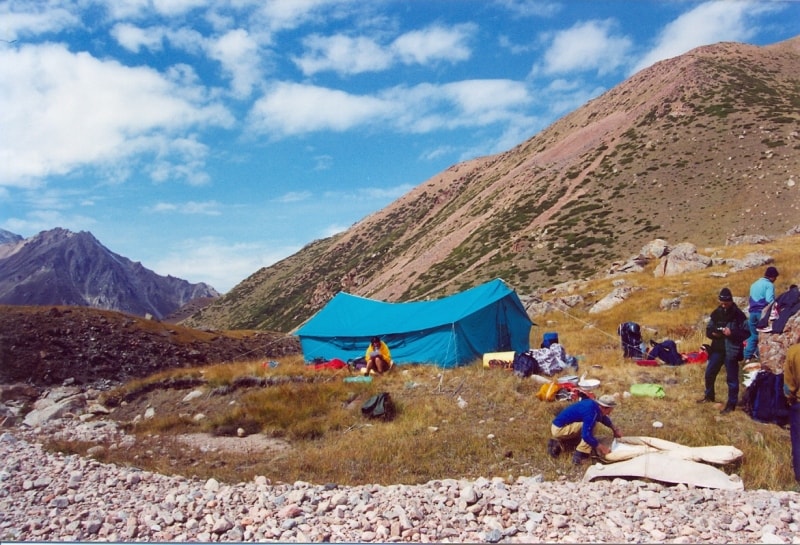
x: 617, y: 296
x: 747, y: 239
x: 57, y: 409
x: 18, y: 392
x: 772, y: 347
x: 655, y: 249
x: 750, y: 261
x: 673, y: 303
x: 194, y: 394
x: 682, y: 259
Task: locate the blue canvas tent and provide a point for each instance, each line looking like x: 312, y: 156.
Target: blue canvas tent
x: 448, y: 332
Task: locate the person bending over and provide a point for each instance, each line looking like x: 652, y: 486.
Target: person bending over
x: 378, y: 357
x: 579, y: 420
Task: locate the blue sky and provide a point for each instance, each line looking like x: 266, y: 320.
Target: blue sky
x: 208, y: 139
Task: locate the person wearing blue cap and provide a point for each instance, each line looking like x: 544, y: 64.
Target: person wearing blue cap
x: 762, y: 293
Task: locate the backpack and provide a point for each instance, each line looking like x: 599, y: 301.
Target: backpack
x: 631, y: 337
x: 524, y: 364
x: 764, y: 399
x: 548, y: 391
x: 379, y: 406
x: 666, y: 351
x: 551, y: 337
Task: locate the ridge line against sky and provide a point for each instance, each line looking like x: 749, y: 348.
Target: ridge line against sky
x: 209, y: 139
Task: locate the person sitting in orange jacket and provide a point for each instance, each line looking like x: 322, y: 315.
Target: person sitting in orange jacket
x: 378, y: 357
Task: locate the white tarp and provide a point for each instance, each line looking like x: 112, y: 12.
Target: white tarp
x: 669, y: 469
x: 626, y: 448
x: 665, y: 461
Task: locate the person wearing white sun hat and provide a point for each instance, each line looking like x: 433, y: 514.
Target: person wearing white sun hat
x: 579, y: 420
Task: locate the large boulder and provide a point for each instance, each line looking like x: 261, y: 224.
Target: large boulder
x: 681, y: 259
x: 772, y: 347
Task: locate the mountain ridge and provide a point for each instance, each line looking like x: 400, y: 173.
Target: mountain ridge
x: 701, y: 147
x: 59, y: 267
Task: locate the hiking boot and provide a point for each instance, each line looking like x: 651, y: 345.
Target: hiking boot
x: 729, y: 408
x: 706, y: 400
x: 579, y: 458
x: 553, y: 448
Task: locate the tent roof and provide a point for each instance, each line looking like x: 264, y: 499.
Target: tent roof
x: 362, y: 317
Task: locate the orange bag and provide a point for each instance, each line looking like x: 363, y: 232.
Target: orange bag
x: 548, y: 391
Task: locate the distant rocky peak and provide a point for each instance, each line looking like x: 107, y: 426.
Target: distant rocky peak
x: 7, y: 237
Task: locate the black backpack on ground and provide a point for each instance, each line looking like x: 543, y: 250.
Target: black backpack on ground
x: 379, y: 406
x: 525, y: 364
x: 765, y: 401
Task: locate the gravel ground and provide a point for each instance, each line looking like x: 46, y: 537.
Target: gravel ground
x: 53, y: 497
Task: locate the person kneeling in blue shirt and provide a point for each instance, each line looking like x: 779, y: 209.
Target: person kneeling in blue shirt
x: 579, y: 420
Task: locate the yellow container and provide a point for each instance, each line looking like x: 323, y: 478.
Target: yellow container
x: 501, y: 356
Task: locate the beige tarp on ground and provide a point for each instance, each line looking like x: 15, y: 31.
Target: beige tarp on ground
x: 626, y: 448
x: 669, y: 462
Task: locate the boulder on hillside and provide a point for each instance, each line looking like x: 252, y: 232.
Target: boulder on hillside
x: 654, y: 249
x: 733, y: 240
x: 750, y: 261
x: 617, y: 296
x: 772, y: 347
x: 681, y: 259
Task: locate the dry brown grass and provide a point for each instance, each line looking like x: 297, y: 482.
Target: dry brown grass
x: 499, y: 429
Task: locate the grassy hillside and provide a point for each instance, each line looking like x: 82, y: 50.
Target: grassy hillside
x: 467, y: 422
x: 700, y: 147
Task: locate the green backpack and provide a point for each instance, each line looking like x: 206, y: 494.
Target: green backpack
x: 379, y: 406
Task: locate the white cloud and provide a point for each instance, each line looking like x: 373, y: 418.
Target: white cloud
x: 531, y: 8
x: 586, y: 46
x: 237, y: 51
x: 434, y: 43
x: 289, y: 14
x: 468, y: 103
x: 334, y: 229
x: 130, y: 9
x: 219, y: 263
x: 375, y: 197
x: 72, y: 110
x: 208, y: 208
x: 708, y: 23
x: 134, y: 38
x: 22, y: 18
x: 293, y: 108
x: 355, y: 55
x: 178, y: 7
x: 294, y: 196
x: 37, y: 221
x: 323, y: 162
x: 342, y: 54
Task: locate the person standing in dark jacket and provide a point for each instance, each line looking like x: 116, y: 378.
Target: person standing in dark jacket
x: 727, y: 329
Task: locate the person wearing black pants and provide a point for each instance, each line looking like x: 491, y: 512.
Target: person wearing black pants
x: 727, y: 329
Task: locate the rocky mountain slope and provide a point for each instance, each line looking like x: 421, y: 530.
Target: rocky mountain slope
x: 700, y: 147
x: 59, y: 267
x: 46, y: 346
